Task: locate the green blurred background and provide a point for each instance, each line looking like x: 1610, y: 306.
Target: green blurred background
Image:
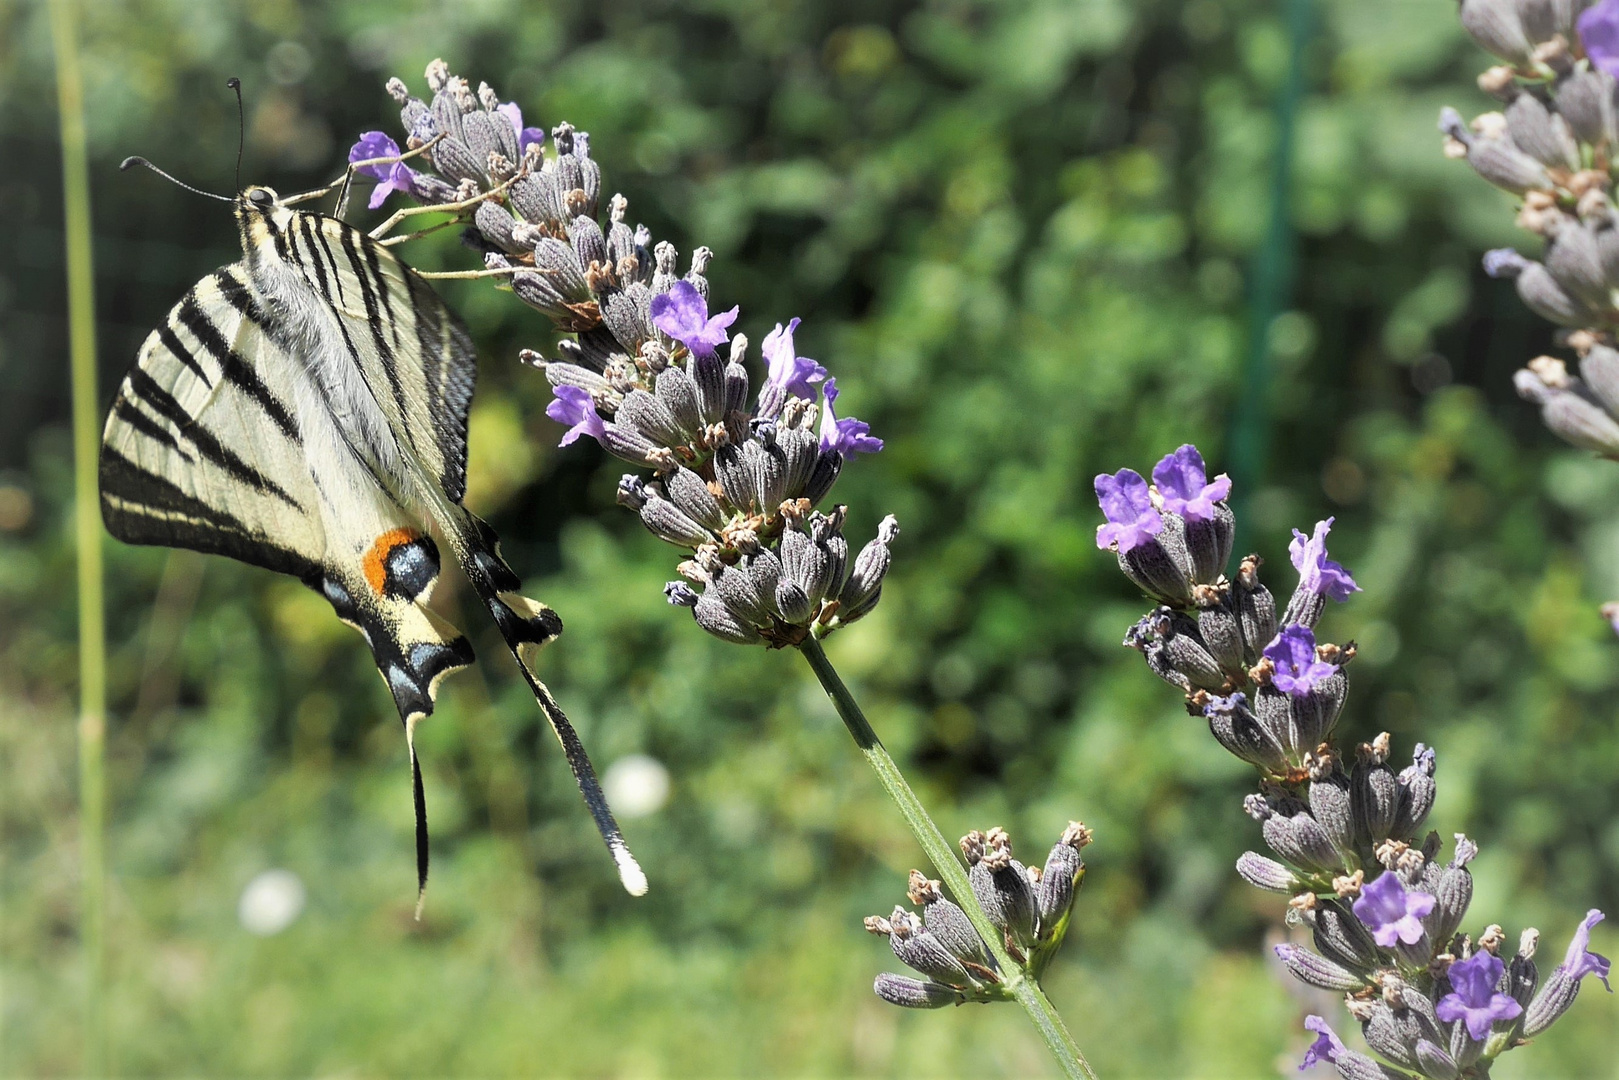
x: 1023, y: 235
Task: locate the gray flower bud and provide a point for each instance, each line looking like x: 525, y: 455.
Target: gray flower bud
x: 917, y: 948
x: 1316, y: 970
x: 1054, y: 894
x: 1239, y: 731
x: 558, y: 373
x: 912, y: 993
x: 666, y: 521
x: 1497, y: 160
x: 860, y: 593
x: 1495, y: 25
x: 630, y: 445
x: 1417, y: 793
x: 1001, y: 885
x: 1571, y: 415
x: 679, y: 594
x: 495, y: 225
x: 1208, y: 544
x: 625, y: 315
x: 588, y: 242
x: 1376, y: 794
x: 690, y: 492
x: 767, y: 471
x: 678, y: 394
x: 1267, y: 874
x: 713, y: 615
x: 1434, y: 1062
x: 1599, y: 370
x: 1541, y: 133
x: 1585, y: 99
x: 1256, y: 610
x: 708, y: 376
x: 948, y: 923
x: 1221, y: 633
x: 454, y: 159
x: 1333, y: 808
x: 1575, y: 263
x: 1158, y: 567
x: 556, y: 262
x: 1340, y: 936
x: 1300, y: 840
x: 828, y: 464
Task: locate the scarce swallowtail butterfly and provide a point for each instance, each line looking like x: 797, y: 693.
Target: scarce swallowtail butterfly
x: 305, y: 410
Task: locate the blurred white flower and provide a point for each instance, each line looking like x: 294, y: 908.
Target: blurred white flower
x: 636, y: 786
x: 271, y: 902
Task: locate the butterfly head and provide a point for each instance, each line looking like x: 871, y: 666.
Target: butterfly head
x: 261, y: 216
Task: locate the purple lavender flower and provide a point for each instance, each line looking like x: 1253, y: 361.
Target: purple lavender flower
x: 789, y: 372
x: 1473, y: 995
x: 1580, y: 961
x: 390, y: 178
x: 573, y: 406
x: 848, y: 437
x: 525, y: 136
x: 1392, y: 913
x: 1297, y: 669
x: 1183, y: 483
x: 1317, y: 573
x: 1131, y: 520
x: 1599, y: 33
x: 682, y: 313
x: 1327, y: 1045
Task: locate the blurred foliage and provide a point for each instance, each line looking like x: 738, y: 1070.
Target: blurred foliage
x: 1018, y: 233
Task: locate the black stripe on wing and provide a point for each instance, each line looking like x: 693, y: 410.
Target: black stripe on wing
x: 145, y: 388
x: 450, y: 369
x: 236, y: 370
x: 141, y: 507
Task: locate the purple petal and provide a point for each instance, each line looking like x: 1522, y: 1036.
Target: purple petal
x: 1297, y: 669
x: 682, y: 314
x: 1599, y: 33
x: 373, y: 144
x: 1131, y: 519
x: 575, y: 407
x: 1318, y: 573
x: 1327, y: 1045
x: 1580, y: 961
x: 1474, y: 997
x: 794, y: 374
x: 1183, y: 484
x: 512, y: 112
x: 1391, y: 912
x: 847, y: 436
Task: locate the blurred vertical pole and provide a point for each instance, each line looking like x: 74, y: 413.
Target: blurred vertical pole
x: 1270, y: 284
x: 87, y: 521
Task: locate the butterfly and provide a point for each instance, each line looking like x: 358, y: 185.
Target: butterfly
x: 305, y: 410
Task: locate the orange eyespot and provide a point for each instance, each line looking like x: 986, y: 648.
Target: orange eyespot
x: 375, y: 560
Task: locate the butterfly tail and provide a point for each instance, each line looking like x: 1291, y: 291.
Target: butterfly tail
x: 527, y: 625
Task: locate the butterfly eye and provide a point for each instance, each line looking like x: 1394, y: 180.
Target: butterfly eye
x: 261, y: 198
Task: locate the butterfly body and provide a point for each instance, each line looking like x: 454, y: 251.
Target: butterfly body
x: 305, y: 410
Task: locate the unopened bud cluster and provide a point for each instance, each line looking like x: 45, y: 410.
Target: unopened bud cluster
x: 1552, y: 143
x: 1027, y: 905
x: 1345, y: 839
x: 737, y: 482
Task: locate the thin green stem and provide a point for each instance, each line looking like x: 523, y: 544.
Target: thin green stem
x: 943, y: 856
x: 87, y: 521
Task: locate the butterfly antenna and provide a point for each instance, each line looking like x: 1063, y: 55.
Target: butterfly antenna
x: 129, y: 161
x: 241, y: 126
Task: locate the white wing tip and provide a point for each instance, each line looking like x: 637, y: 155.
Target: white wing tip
x: 629, y: 871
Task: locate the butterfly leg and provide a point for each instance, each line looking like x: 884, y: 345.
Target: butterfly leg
x: 436, y: 208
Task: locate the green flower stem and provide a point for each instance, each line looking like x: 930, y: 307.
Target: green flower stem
x: 87, y: 520
x: 943, y: 856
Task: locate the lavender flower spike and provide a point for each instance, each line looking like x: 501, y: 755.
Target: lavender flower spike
x: 1317, y: 573
x: 390, y: 178
x: 1327, y: 1045
x: 682, y: 313
x: 573, y: 406
x: 1599, y: 33
x: 1390, y: 912
x: 791, y: 373
x: 1474, y: 997
x: 1183, y: 483
x: 1297, y: 669
x: 848, y: 436
x: 1131, y: 520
